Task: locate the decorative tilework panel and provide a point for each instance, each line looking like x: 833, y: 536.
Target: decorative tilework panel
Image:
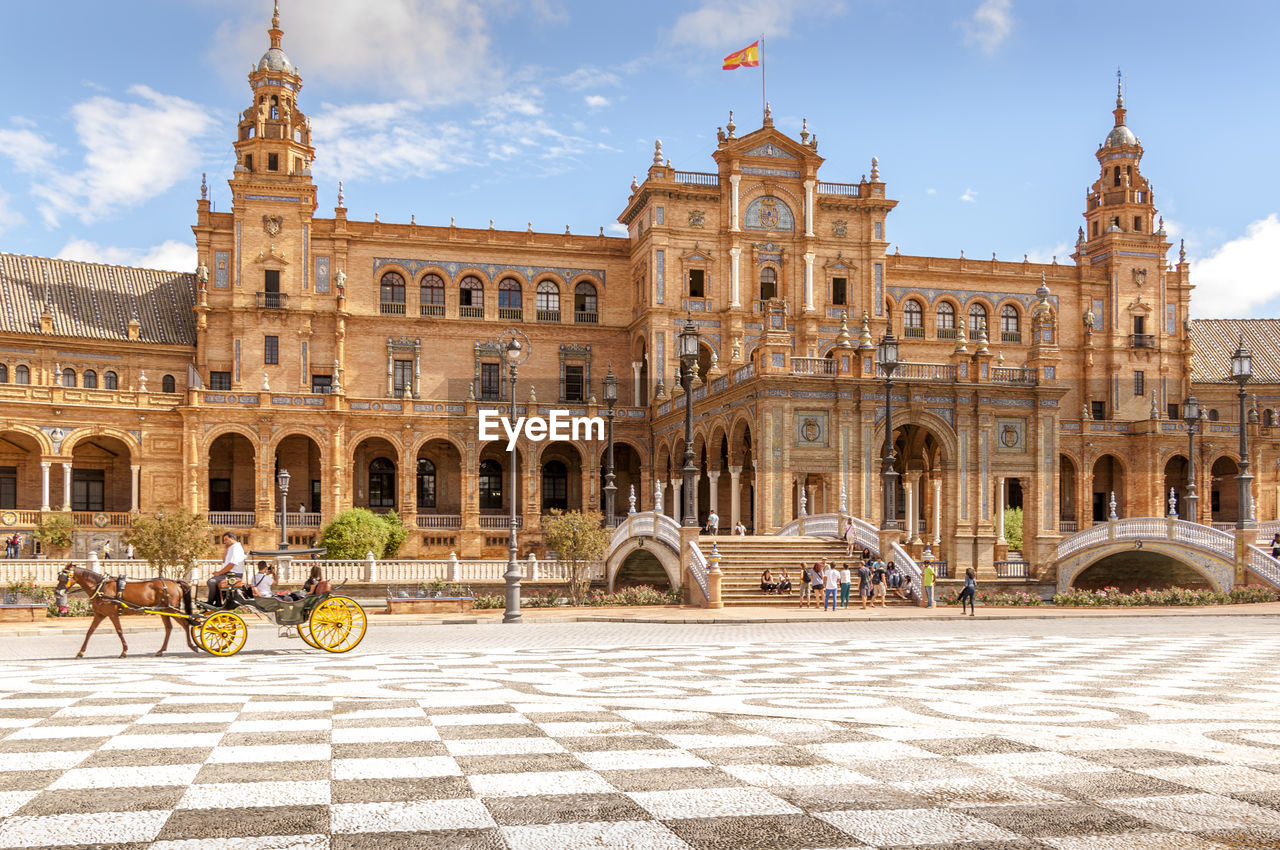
x: 769, y: 213
x: 221, y: 269
x: 660, y: 276
x: 322, y: 274
x: 306, y: 255
x: 879, y: 278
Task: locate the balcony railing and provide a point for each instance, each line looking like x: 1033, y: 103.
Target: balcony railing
x: 548, y: 315
x: 1014, y: 375
x: 513, y: 314
x: 439, y: 521
x: 910, y: 332
x: 946, y: 333
x: 299, y: 519
x: 848, y: 190
x: 273, y: 300
x: 503, y: 521
x: 583, y: 317
x: 697, y: 178
x: 100, y: 519
x: 1068, y: 526
x: 391, y: 308
x: 1013, y: 569
x: 467, y: 312
x: 233, y: 519
x: 813, y: 366
x: 430, y: 309
x: 1011, y: 336
x: 1142, y: 341
x: 921, y: 372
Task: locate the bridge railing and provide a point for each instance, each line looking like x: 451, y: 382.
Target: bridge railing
x: 865, y: 535
x: 698, y: 569
x: 909, y: 567
x: 1151, y: 528
x: 645, y: 524
x: 1264, y: 566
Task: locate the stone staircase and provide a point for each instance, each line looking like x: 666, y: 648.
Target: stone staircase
x: 742, y: 559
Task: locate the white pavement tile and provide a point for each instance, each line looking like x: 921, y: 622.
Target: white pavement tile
x: 61, y: 760
x: 915, y: 826
x: 502, y: 746
x: 115, y: 710
x: 415, y: 816
x: 94, y: 828
x: 528, y: 784
x: 781, y: 774
x: 639, y: 759
x: 1134, y: 841
x: 1198, y: 812
x: 709, y: 742
x: 169, y: 718
x: 500, y: 718
x: 383, y: 734
x: 623, y: 835
x: 163, y: 742
x: 287, y: 706
x: 711, y: 803
x: 243, y: 795
x: 380, y: 713
x: 1044, y: 763
x: 270, y: 753
x: 1217, y: 779
x: 71, y: 733
x: 127, y: 776
x: 265, y: 842
x: 11, y: 801
x: 851, y: 751
x: 395, y: 768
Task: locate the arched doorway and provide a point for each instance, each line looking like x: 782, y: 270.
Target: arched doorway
x: 921, y: 507
x: 626, y: 474
x: 741, y: 456
x: 1224, y: 493
x: 561, y: 478
x: 1068, y: 516
x: 376, y: 475
x: 20, y: 478
x: 232, y: 463
x: 1175, y: 480
x: 1108, y: 480
x: 438, y: 479
x: 494, y: 485
x: 101, y: 475
x: 300, y: 456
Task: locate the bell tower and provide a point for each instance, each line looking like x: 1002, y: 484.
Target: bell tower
x: 273, y: 138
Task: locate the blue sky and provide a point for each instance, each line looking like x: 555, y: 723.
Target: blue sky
x: 984, y: 114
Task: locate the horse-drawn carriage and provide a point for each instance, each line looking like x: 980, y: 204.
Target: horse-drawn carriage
x: 323, y: 620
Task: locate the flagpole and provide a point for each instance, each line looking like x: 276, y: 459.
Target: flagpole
x: 764, y: 101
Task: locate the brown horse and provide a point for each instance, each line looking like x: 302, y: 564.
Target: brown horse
x: 156, y: 594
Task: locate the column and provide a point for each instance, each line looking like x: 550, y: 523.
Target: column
x: 937, y: 511
x: 135, y: 479
x: 44, y: 485
x: 713, y: 475
x: 735, y: 497
x: 811, y: 506
x: 390, y: 372
x: 734, y: 286
x: 734, y: 179
x: 662, y: 486
x: 808, y: 280
x: 1000, y: 512
x: 635, y: 382
x: 66, y: 486
x: 909, y: 503
x: 417, y: 366
x: 808, y: 207
x: 677, y: 506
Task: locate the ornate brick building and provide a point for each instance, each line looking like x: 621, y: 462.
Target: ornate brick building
x: 358, y: 355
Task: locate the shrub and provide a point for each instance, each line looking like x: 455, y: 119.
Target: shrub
x: 1016, y: 598
x: 543, y: 599
x: 578, y: 538
x: 354, y: 533
x: 639, y: 595
x: 489, y: 602
x: 1110, y: 597
x: 1013, y: 528
x: 174, y: 540
x: 54, y: 531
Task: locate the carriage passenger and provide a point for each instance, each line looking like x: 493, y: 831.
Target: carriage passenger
x: 263, y: 581
x: 316, y: 584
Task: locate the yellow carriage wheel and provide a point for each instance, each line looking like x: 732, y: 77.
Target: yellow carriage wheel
x: 194, y: 630
x: 223, y: 633
x: 336, y: 624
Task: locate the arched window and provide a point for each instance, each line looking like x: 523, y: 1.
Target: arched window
x: 4, y: 373
x: 110, y: 381
x: 1010, y: 330
x: 768, y: 283
x: 431, y: 295
x: 946, y: 320
x: 168, y: 384
x: 490, y: 485
x: 584, y: 303
x: 68, y: 377
x: 471, y: 298
x: 1213, y: 415
x: 1268, y: 418
x: 977, y: 317
x: 548, y: 302
x: 391, y: 295
x: 912, y: 319
x: 509, y: 298
x: 22, y: 374
x: 426, y: 483
x: 90, y: 379
x: 382, y: 483
x: 555, y: 486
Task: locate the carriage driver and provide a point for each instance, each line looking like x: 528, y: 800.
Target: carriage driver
x: 232, y: 564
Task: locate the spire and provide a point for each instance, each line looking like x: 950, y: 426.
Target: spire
x: 275, y: 32
x: 1119, y: 112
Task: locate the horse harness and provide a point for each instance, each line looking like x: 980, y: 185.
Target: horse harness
x: 119, y: 600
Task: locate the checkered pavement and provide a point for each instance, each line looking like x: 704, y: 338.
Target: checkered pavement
x: 822, y: 744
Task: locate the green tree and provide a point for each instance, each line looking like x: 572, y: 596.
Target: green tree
x: 54, y: 531
x: 171, y: 542
x: 355, y: 533
x: 579, y: 539
x: 1013, y: 528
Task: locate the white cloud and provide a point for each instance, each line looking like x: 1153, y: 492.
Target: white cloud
x: 133, y: 152
x: 1062, y: 251
x: 596, y: 101
x: 29, y: 150
x: 1241, y: 275
x: 170, y: 255
x: 9, y: 217
x: 990, y: 25
x: 615, y: 229
x: 931, y: 191
x: 970, y: 196
x: 588, y: 78
x: 724, y: 23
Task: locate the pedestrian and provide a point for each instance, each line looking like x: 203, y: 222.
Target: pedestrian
x: 713, y: 523
x: 10, y: 547
x: 970, y: 592
x: 1275, y: 545
x: 816, y: 581
x: 864, y: 582
x: 784, y: 583
x: 878, y: 583
x: 846, y: 578
x: 740, y: 529
x: 128, y: 552
x: 106, y: 551
x: 926, y: 581
x: 849, y: 539
x: 806, y: 589
x: 831, y: 584
x: 767, y: 584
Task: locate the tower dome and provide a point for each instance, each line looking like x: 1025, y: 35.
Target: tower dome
x: 276, y: 60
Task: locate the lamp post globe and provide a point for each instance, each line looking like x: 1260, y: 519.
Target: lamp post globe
x: 1191, y: 416
x: 688, y: 368
x: 1241, y: 372
x: 512, y: 577
x: 887, y: 360
x: 282, y: 481
x: 610, y: 489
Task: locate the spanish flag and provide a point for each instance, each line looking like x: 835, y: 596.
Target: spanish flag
x: 747, y: 57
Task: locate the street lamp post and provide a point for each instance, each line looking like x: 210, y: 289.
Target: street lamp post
x: 1241, y: 372
x: 1191, y: 416
x: 610, y: 490
x: 887, y: 359
x: 512, y: 575
x: 688, y: 366
x: 282, y: 481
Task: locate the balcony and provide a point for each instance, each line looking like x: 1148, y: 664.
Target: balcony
x: 273, y: 301
x: 100, y: 519
x: 232, y: 519
x: 548, y: 315
x: 947, y: 333
x: 847, y: 190
x: 446, y: 521
x: 511, y: 314
x: 820, y: 366
x: 431, y: 310
x: 1016, y: 376
x: 697, y: 178
x: 584, y: 317
x: 921, y: 372
x: 391, y: 308
x: 911, y: 332
x: 467, y: 312
x: 1011, y: 336
x: 502, y: 521
x: 1142, y: 341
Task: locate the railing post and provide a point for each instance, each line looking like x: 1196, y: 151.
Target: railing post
x: 532, y: 575
x: 714, y: 599
x: 370, y: 567
x: 452, y: 570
